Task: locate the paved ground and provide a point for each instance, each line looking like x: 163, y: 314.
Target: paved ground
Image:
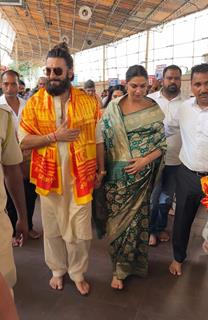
x: 160, y: 296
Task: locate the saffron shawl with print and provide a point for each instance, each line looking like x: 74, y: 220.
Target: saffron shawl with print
x: 39, y: 118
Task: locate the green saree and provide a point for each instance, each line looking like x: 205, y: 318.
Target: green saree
x: 127, y: 195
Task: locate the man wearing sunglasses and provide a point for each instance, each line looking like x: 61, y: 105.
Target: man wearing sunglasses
x: 59, y: 124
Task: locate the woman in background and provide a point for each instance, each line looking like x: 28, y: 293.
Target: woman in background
x: 115, y: 92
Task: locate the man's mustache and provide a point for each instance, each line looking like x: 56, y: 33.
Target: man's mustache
x: 172, y: 85
x: 51, y: 80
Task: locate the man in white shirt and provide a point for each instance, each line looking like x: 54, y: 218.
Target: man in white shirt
x: 192, y: 119
x: 10, y: 98
x: 10, y: 87
x: 168, y: 98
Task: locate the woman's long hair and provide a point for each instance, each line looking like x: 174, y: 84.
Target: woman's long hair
x: 112, y: 89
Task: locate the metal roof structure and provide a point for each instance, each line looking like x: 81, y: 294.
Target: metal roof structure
x: 39, y: 25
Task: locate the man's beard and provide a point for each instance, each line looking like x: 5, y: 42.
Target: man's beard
x: 172, y: 89
x: 57, y: 89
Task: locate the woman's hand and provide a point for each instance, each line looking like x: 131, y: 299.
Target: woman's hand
x: 136, y: 165
x: 64, y: 134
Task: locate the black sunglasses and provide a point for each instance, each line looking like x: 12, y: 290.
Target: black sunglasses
x: 57, y: 71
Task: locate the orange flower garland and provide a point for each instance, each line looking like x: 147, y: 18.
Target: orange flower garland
x: 204, y: 183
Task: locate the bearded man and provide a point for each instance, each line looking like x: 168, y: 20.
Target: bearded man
x: 169, y: 98
x: 59, y: 124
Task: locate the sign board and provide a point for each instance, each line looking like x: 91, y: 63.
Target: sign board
x: 11, y: 3
x: 151, y: 79
x: 159, y: 71
x: 113, y: 82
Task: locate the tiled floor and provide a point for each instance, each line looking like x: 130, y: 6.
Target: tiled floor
x: 159, y: 297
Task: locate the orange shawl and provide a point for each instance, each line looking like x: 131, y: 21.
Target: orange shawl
x: 39, y: 118
x: 204, y: 183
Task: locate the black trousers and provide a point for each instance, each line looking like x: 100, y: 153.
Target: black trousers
x: 162, y: 199
x: 30, y: 196
x: 188, y: 196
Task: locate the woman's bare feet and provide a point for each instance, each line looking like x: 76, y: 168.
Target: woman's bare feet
x: 175, y: 268
x: 56, y: 283
x: 117, y: 284
x: 83, y: 287
x: 152, y: 240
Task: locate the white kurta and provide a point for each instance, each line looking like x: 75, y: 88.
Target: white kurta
x: 67, y: 225
x: 60, y: 213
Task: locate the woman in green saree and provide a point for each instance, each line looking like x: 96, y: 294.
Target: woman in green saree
x: 135, y: 144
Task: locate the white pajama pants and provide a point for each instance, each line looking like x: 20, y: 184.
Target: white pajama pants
x: 67, y: 234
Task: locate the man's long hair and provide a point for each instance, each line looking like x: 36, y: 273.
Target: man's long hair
x: 61, y: 51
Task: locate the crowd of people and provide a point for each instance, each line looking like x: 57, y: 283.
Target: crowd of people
x: 140, y: 147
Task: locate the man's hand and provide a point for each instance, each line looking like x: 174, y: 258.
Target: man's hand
x: 64, y: 134
x: 98, y: 180
x: 136, y: 165
x: 7, y: 307
x: 21, y: 232
x: 14, y: 182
